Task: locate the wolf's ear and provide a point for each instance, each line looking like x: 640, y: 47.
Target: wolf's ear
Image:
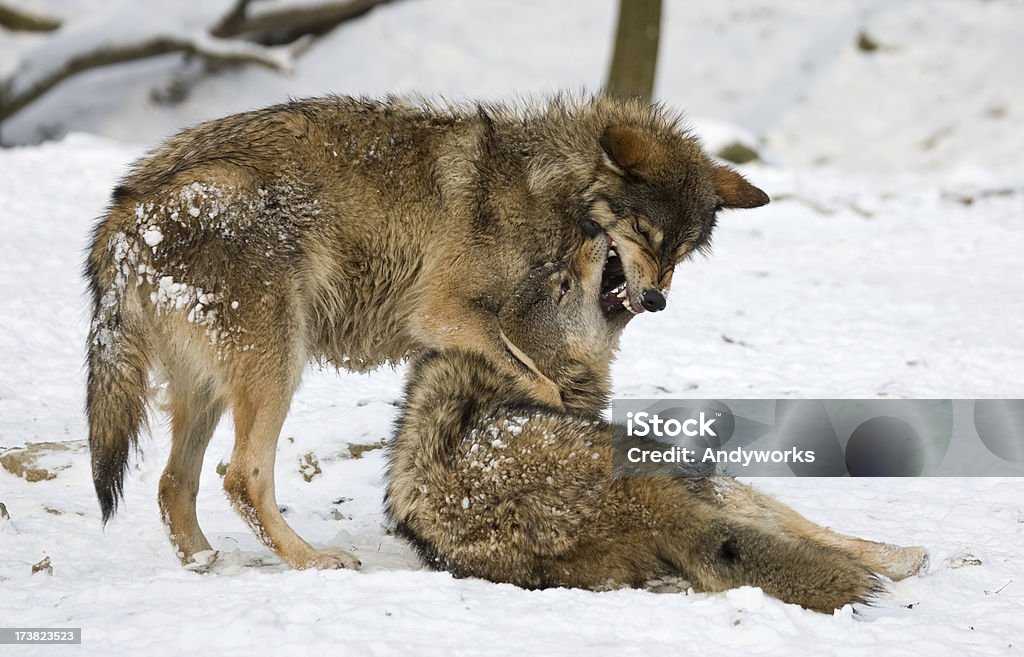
x: 735, y: 191
x: 628, y: 149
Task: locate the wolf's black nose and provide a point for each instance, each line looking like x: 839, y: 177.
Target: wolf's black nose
x: 652, y: 300
x: 590, y: 227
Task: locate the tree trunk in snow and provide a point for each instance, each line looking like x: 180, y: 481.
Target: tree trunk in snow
x: 636, y: 49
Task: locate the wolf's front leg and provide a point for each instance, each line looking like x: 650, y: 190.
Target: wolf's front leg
x: 446, y: 322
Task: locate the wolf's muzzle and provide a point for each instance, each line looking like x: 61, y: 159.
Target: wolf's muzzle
x: 652, y: 300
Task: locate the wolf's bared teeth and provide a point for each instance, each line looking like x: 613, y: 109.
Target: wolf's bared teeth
x: 611, y: 252
x: 622, y: 293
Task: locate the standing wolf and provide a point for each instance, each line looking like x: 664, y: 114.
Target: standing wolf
x: 355, y: 232
x: 489, y: 483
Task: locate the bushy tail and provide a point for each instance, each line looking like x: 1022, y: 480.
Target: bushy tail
x: 116, y: 389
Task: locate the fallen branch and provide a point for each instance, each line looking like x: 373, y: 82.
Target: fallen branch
x: 18, y: 91
x: 21, y: 20
x: 73, y: 51
x: 313, y: 19
x: 231, y: 19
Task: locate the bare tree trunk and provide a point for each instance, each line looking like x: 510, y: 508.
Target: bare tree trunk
x: 636, y: 49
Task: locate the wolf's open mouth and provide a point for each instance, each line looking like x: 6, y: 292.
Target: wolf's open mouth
x: 615, y: 293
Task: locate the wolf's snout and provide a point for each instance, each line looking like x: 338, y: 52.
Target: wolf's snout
x: 590, y: 227
x: 652, y: 300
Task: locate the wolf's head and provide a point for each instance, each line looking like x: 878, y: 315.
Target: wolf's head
x: 656, y: 195
x: 555, y: 324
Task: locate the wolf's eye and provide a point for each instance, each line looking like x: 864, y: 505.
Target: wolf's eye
x: 641, y: 231
x: 590, y: 227
x: 564, y: 289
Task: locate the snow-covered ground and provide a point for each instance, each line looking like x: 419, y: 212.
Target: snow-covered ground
x: 885, y: 266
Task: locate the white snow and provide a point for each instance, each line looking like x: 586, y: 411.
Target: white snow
x: 153, y: 236
x: 887, y: 265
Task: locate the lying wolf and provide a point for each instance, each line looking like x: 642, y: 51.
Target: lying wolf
x: 488, y: 483
x: 355, y: 232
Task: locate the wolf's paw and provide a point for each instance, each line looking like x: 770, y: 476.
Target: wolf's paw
x: 848, y: 584
x: 330, y: 558
x: 904, y: 562
x: 202, y: 561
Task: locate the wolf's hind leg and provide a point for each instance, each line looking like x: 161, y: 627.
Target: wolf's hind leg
x: 893, y: 561
x: 259, y: 409
x: 726, y: 554
x: 194, y: 415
